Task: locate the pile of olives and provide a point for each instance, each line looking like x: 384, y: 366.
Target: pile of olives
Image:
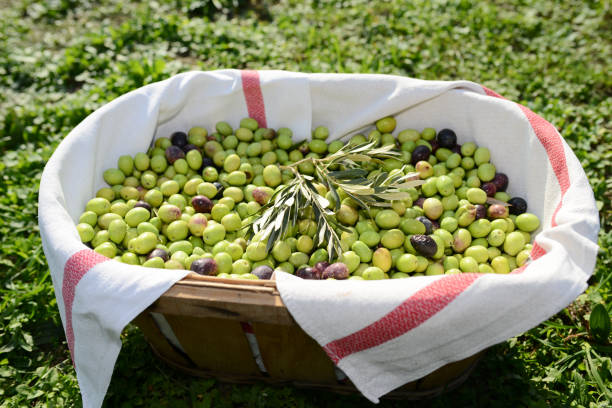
x: 186, y: 202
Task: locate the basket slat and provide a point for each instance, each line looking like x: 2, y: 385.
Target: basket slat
x: 214, y: 344
x: 288, y: 353
x: 157, y: 340
x: 234, y: 302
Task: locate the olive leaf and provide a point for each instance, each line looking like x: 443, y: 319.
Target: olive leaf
x: 339, y: 171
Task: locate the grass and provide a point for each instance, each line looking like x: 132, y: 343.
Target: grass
x: 62, y: 59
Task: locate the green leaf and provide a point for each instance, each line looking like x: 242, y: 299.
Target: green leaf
x: 599, y: 323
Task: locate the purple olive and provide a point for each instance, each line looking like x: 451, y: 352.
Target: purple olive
x: 179, y: 139
x: 447, y: 138
x: 424, y: 245
x: 201, y: 204
x: 456, y: 149
x: 419, y: 202
x: 481, y: 211
x: 420, y: 153
x: 173, y: 153
x: 434, y: 145
x: 306, y: 273
x: 320, y: 267
x: 189, y: 147
x: 158, y: 252
x: 263, y: 272
x: 204, y: 266
x: 429, y: 226
x: 336, y: 270
x: 517, y: 205
x: 143, y: 204
x: 489, y: 188
x: 501, y: 181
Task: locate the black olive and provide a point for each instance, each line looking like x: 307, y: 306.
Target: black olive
x: 429, y: 226
x: 447, y: 138
x: 517, y: 205
x: 220, y: 189
x: 424, y: 245
x: 189, y: 147
x: 419, y: 153
x: 179, y: 139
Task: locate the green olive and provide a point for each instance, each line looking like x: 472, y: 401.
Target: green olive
x: 86, y: 232
x: 527, y: 222
x: 514, y: 243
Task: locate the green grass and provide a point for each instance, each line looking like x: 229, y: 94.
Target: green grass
x: 62, y: 59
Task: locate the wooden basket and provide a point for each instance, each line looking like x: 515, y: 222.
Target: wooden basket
x: 240, y: 331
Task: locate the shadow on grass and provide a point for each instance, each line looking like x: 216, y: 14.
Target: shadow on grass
x: 500, y: 380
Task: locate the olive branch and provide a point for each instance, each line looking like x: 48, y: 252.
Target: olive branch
x: 340, y: 170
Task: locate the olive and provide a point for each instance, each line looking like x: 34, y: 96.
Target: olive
x: 501, y: 181
x: 447, y: 138
x: 220, y: 189
x: 262, y: 195
x: 188, y: 147
x: 490, y: 188
x: 435, y: 145
x: 160, y: 253
x: 263, y: 272
x: 424, y: 245
x: 143, y: 204
x: 420, y: 153
x: 306, y: 272
x: 481, y: 211
x: 206, y: 162
x: 336, y: 270
x: 517, y: 205
x: 178, y: 139
x: 419, y: 202
x: 319, y: 267
x: 204, y: 266
x: 429, y: 226
x: 497, y: 211
x: 174, y: 153
x: 201, y: 204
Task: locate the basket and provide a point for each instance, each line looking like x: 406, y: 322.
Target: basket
x: 241, y: 332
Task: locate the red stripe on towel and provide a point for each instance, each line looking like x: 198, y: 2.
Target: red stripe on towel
x: 415, y: 310
x: 253, y: 96
x: 76, y: 267
x: 552, y: 143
